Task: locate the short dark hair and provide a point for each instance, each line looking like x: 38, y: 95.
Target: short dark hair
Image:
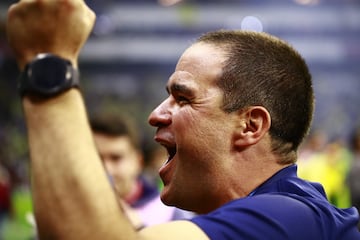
x: 266, y: 71
x: 355, y: 140
x: 115, y: 125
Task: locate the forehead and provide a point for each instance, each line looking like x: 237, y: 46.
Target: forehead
x: 201, y: 63
x: 107, y: 142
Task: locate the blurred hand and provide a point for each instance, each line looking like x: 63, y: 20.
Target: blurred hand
x: 60, y: 27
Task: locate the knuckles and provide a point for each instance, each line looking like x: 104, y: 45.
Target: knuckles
x: 37, y: 25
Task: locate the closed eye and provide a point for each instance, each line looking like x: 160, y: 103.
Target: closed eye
x: 182, y: 94
x: 181, y: 100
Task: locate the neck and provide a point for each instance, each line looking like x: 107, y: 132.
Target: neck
x: 135, y: 193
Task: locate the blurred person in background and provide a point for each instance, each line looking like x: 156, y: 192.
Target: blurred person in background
x: 118, y: 143
x: 239, y: 105
x: 353, y: 178
x: 5, y: 196
x: 315, y: 143
x: 16, y: 210
x: 328, y: 165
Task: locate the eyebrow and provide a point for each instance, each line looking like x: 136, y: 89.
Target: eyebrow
x: 176, y: 87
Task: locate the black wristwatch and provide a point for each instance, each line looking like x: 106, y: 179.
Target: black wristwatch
x: 47, y: 76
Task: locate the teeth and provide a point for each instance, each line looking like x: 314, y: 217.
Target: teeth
x: 167, y: 161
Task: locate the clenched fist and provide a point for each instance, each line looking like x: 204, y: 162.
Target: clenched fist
x: 60, y: 27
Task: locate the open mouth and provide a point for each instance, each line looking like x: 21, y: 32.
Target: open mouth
x: 171, y: 153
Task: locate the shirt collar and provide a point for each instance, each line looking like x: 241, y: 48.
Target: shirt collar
x: 286, y: 172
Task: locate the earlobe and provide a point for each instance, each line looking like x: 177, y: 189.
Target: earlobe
x: 254, y: 123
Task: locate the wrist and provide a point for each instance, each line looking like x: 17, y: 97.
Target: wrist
x: 25, y: 59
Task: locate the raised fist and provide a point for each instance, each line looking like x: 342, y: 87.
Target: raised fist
x: 60, y: 27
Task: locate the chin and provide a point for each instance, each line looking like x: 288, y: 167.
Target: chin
x: 165, y: 196
x: 169, y: 198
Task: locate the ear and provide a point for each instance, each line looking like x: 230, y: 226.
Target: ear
x: 254, y: 122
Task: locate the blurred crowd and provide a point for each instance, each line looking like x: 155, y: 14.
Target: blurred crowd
x: 335, y: 163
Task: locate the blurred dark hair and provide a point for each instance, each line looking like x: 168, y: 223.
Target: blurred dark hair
x: 115, y: 125
x: 355, y: 140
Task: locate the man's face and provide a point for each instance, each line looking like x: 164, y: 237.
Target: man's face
x: 195, y: 130
x: 121, y: 160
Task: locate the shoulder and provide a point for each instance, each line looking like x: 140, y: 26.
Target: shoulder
x: 279, y: 207
x: 265, y: 216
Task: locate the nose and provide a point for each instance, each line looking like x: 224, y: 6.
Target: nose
x: 160, y: 116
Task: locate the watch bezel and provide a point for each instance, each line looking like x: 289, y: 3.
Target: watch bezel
x: 48, y: 82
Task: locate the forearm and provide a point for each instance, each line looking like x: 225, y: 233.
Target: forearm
x: 72, y: 196
x: 71, y: 193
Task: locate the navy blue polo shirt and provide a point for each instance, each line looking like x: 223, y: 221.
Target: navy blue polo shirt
x: 284, y: 207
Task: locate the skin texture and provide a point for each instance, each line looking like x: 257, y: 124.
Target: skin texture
x: 222, y: 156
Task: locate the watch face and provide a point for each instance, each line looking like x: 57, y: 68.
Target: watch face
x: 49, y: 75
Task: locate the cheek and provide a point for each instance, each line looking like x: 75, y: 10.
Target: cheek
x: 129, y: 168
x: 203, y: 142
x: 188, y: 124
x: 201, y: 131
x: 196, y: 142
